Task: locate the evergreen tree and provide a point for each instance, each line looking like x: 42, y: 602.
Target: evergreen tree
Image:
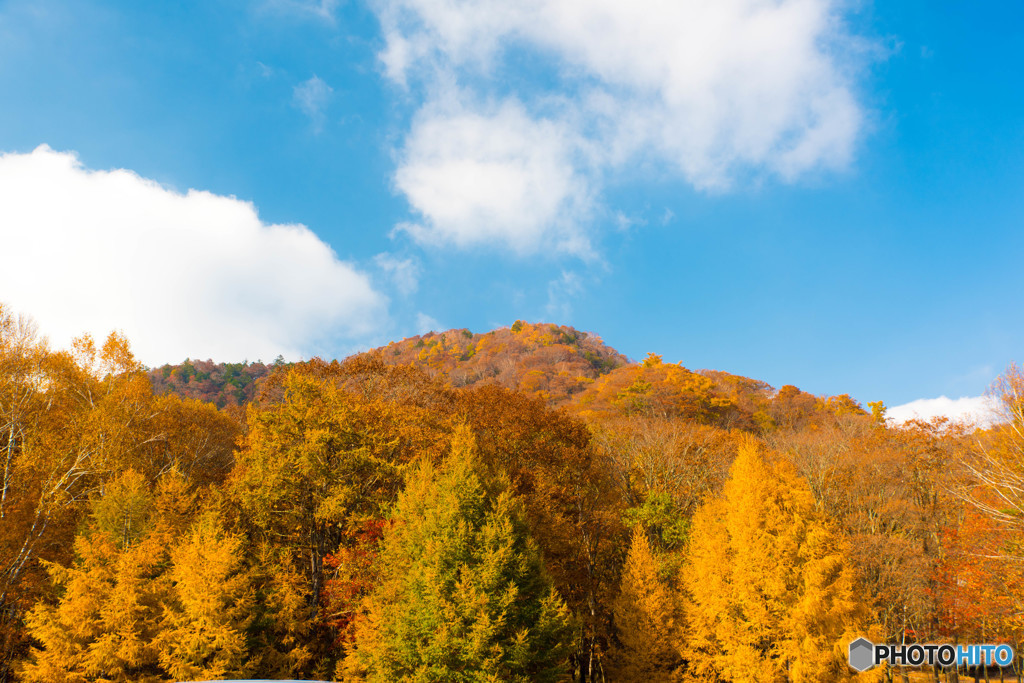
x: 770, y: 597
x: 648, y: 619
x: 103, y: 626
x: 280, y: 626
x: 205, y: 619
x: 148, y: 597
x: 462, y: 595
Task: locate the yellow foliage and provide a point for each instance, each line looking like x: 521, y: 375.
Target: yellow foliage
x: 654, y: 389
x: 770, y: 596
x: 144, y: 601
x: 203, y: 635
x: 648, y: 620
x: 103, y: 627
x: 279, y: 649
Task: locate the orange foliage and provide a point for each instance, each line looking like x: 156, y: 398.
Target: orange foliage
x: 550, y: 361
x: 654, y: 389
x: 979, y: 583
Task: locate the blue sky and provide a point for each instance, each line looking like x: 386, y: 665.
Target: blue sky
x: 826, y: 194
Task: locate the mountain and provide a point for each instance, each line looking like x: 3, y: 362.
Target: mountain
x: 558, y: 364
x: 554, y: 362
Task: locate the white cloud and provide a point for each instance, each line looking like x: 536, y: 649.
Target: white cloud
x: 561, y: 292
x: 980, y: 410
x: 492, y: 175
x: 312, y: 97
x: 397, y: 57
x: 183, y: 275
x: 425, y: 324
x: 403, y: 273
x: 710, y: 90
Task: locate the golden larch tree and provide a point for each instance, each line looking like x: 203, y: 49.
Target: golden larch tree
x: 103, y: 625
x: 203, y: 633
x: 770, y: 594
x: 647, y: 619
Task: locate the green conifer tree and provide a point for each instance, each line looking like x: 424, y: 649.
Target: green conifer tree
x: 462, y: 595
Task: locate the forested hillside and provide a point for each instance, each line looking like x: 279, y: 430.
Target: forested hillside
x: 550, y: 361
x: 558, y: 364
x: 521, y: 505
x: 222, y: 384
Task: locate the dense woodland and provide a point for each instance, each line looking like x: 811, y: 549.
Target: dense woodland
x: 521, y: 505
x: 226, y: 385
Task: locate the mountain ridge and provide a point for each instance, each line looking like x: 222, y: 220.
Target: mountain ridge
x: 558, y: 364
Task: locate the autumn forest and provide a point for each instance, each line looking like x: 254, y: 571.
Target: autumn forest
x: 526, y: 504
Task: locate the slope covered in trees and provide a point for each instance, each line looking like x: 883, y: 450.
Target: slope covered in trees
x: 551, y: 361
x: 222, y: 384
x: 558, y: 364
x: 377, y: 520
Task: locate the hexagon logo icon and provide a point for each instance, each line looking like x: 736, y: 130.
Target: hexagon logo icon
x: 862, y: 653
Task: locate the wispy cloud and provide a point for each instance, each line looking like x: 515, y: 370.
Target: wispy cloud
x: 425, y: 323
x: 561, y: 292
x: 404, y: 273
x: 709, y: 90
x: 312, y: 97
x: 183, y: 275
x: 323, y: 10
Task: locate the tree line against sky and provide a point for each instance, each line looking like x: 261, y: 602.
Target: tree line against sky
x: 522, y: 505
